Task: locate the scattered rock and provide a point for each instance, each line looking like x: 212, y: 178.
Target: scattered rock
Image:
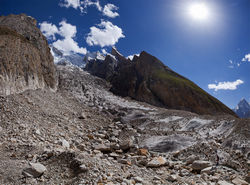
x: 138, y: 179
x: 171, y: 178
x: 239, y: 181
x: 224, y: 183
x: 200, y: 165
x: 191, y: 159
x: 143, y: 151
x: 103, y: 148
x: 157, y: 162
x: 35, y: 170
x: 82, y: 116
x: 126, y: 144
x: 65, y: 143
x: 83, y: 168
x: 248, y: 177
x: 208, y: 170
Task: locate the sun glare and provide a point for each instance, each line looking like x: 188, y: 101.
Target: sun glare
x: 199, y: 11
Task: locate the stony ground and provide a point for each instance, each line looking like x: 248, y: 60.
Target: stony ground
x: 83, y: 134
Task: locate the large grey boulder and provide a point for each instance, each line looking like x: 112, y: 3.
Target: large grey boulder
x: 35, y: 170
x: 200, y: 165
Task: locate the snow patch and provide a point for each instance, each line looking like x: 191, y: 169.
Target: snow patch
x: 195, y: 123
x: 169, y: 119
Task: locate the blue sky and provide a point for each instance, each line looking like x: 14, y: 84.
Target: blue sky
x: 212, y: 50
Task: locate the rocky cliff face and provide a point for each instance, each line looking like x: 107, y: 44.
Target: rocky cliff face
x: 147, y: 79
x: 25, y: 59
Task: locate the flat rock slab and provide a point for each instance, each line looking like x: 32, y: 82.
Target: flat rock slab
x: 35, y: 170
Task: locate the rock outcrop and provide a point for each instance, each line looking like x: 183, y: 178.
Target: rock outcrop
x: 25, y: 58
x: 147, y: 79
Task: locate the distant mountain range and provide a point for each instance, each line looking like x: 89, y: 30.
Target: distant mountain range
x: 243, y: 109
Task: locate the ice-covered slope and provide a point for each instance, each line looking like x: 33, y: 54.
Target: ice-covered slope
x: 72, y: 59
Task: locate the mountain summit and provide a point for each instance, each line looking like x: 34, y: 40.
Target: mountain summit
x: 243, y: 109
x: 147, y: 79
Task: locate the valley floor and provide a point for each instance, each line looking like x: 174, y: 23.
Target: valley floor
x: 83, y: 134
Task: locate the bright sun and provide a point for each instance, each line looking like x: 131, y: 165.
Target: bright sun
x: 199, y: 11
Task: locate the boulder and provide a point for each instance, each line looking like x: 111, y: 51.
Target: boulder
x: 143, y: 151
x: 126, y: 144
x: 191, y: 159
x: 200, y: 165
x: 208, y: 170
x: 171, y: 178
x: 224, y: 183
x: 103, y: 148
x: 65, y: 143
x: 35, y: 170
x: 157, y: 162
x: 239, y: 181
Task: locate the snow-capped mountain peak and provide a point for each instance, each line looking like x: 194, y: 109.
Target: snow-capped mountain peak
x: 94, y: 56
x: 69, y: 59
x: 243, y: 108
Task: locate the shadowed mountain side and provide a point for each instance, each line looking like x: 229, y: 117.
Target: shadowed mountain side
x: 147, y: 79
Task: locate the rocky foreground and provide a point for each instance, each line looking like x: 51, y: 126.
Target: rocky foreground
x: 83, y: 134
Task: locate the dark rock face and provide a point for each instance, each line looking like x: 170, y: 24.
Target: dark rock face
x: 243, y: 109
x: 147, y: 79
x: 25, y: 59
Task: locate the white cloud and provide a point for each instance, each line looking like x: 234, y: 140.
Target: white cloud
x: 67, y: 44
x: 230, y: 61
x: 87, y: 3
x: 82, y: 5
x: 49, y: 30
x: 109, y: 10
x: 225, y: 85
x: 105, y: 34
x: 67, y: 30
x: 71, y: 3
x: 246, y: 58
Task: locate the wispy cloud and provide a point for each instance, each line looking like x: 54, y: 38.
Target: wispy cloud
x: 108, y: 10
x: 246, y: 58
x: 86, y: 3
x: 68, y: 32
x: 71, y: 3
x: 104, y: 34
x: 226, y: 85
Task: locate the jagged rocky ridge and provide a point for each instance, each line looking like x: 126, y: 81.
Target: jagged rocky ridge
x: 147, y: 79
x: 25, y: 59
x: 84, y: 134
x: 243, y: 109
